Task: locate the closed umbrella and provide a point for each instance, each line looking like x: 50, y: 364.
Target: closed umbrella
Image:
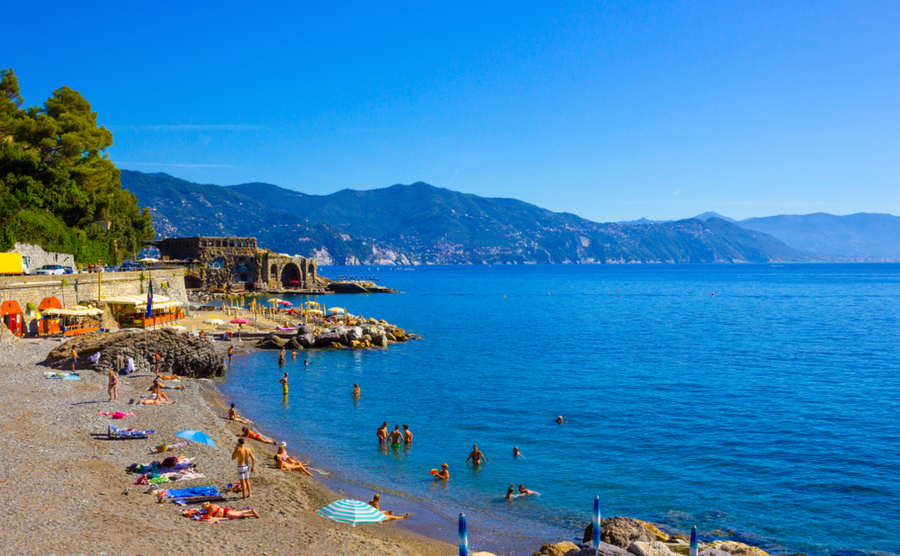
x: 596, y: 523
x: 216, y: 322
x: 693, y: 548
x: 351, y: 512
x: 196, y: 436
x: 463, y: 536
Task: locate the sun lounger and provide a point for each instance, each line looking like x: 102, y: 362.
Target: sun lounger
x: 126, y: 433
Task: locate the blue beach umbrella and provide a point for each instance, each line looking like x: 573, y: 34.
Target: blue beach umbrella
x: 463, y: 536
x: 196, y: 436
x: 694, y: 540
x: 596, y: 523
x: 351, y: 512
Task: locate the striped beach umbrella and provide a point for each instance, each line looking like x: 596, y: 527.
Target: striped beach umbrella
x: 463, y: 536
x: 595, y: 519
x: 694, y: 540
x: 351, y: 512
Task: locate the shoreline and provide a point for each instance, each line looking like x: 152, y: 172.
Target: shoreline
x: 82, y: 486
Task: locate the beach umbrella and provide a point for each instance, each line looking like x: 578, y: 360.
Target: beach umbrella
x: 214, y: 321
x: 285, y: 303
x: 596, y: 523
x: 463, y: 536
x: 336, y: 310
x: 351, y: 512
x: 694, y: 540
x: 240, y: 321
x: 196, y: 436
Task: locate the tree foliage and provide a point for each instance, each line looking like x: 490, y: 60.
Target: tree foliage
x: 56, y: 179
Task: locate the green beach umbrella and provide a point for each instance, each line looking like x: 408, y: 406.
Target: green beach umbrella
x: 351, y: 512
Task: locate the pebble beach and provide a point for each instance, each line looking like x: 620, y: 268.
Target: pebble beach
x: 64, y: 487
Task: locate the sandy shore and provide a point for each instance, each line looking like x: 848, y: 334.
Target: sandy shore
x: 64, y: 488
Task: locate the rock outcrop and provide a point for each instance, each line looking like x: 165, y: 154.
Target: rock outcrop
x: 556, y: 549
x: 660, y: 536
x: 182, y: 354
x: 655, y: 548
x: 620, y: 532
x: 737, y: 548
x: 714, y: 552
x: 603, y: 550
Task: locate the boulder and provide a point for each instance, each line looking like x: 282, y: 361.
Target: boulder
x: 660, y: 536
x: 328, y: 337
x: 380, y: 341
x: 620, y: 531
x: 400, y: 337
x: 366, y: 338
x: 182, y: 354
x: 655, y: 548
x: 354, y: 334
x: 305, y: 340
x: 391, y: 337
x: 604, y: 550
x: 557, y: 549
x: 294, y: 344
x: 271, y: 342
x: 714, y: 552
x: 737, y: 548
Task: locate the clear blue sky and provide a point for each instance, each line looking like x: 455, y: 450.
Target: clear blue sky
x: 612, y: 111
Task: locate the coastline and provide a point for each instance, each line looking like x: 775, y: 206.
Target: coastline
x: 81, y: 485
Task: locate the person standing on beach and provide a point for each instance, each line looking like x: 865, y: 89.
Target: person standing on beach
x: 230, y: 355
x: 113, y: 387
x: 74, y: 359
x: 382, y: 433
x: 284, y: 385
x: 158, y: 360
x: 396, y: 436
x: 476, y: 456
x: 243, y: 454
x: 407, y: 435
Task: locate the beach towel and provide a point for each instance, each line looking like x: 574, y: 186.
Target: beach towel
x: 61, y: 375
x: 115, y: 414
x: 126, y: 433
x: 167, y: 447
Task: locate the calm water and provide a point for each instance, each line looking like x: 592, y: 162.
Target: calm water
x: 767, y: 412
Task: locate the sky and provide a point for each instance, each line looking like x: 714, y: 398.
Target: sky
x: 612, y: 111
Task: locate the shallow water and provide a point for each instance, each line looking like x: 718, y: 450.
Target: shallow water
x: 766, y: 412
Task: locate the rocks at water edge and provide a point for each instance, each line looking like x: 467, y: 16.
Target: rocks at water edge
x: 660, y: 536
x: 655, y: 548
x: 182, y: 354
x: 621, y: 532
x: 714, y: 552
x: 556, y: 549
x: 737, y: 548
x: 358, y: 333
x: 603, y: 550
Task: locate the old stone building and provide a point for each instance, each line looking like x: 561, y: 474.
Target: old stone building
x: 236, y: 262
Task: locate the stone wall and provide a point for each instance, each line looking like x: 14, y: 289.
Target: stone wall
x: 74, y: 289
x: 37, y: 257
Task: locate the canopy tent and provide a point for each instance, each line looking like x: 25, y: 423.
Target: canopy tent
x: 49, y: 303
x: 76, y: 311
x: 139, y: 302
x: 131, y: 310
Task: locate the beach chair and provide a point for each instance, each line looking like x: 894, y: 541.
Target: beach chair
x: 112, y: 431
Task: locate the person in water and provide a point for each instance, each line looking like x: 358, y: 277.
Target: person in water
x: 246, y: 464
x: 396, y: 436
x: 510, y: 491
x: 306, y: 361
x: 284, y: 385
x: 233, y: 416
x: 113, y: 387
x: 247, y: 433
x: 382, y: 433
x: 286, y: 463
x: 281, y: 357
x: 230, y: 354
x: 217, y: 511
x: 524, y: 491
x: 559, y: 420
x: 356, y: 390
x: 407, y: 435
x: 390, y: 514
x: 294, y: 354
x: 443, y: 474
x: 516, y: 452
x: 476, y: 456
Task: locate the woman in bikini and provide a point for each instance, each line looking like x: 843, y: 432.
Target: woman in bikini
x: 217, y: 511
x: 288, y: 463
x: 247, y: 433
x: 113, y: 388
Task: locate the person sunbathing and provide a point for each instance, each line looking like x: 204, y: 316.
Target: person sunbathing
x: 217, y: 511
x: 288, y: 463
x: 389, y: 513
x: 168, y: 377
x: 247, y: 433
x: 158, y: 385
x: 233, y: 416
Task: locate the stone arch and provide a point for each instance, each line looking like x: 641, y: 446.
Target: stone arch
x: 289, y: 274
x: 218, y: 262
x: 273, y: 272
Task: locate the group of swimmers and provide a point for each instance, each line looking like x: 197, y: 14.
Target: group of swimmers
x: 395, y: 438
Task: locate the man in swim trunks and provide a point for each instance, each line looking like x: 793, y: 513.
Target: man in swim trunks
x: 443, y: 474
x: 407, y: 435
x: 284, y: 385
x: 243, y: 454
x: 247, y: 433
x: 396, y: 436
x: 216, y: 511
x: 113, y: 387
x: 525, y: 491
x: 390, y: 514
x: 230, y: 354
x: 510, y: 490
x: 232, y: 415
x: 74, y: 359
x: 476, y: 456
x: 382, y: 433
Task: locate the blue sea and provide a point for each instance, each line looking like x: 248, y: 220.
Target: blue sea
x: 760, y: 403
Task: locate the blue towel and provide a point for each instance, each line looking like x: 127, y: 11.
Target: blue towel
x: 208, y: 490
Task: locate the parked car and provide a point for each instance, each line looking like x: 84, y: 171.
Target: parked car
x: 69, y: 270
x: 50, y: 269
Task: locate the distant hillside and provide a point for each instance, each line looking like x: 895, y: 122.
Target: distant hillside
x: 422, y: 224
x: 865, y: 236
x: 708, y: 215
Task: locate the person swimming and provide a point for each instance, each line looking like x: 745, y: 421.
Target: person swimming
x: 516, y: 452
x: 443, y: 474
x: 510, y: 490
x: 524, y: 491
x: 355, y: 390
x: 382, y: 433
x: 476, y: 456
x: 559, y: 420
x: 407, y: 435
x: 396, y: 437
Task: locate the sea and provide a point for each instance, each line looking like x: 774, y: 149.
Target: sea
x: 760, y: 403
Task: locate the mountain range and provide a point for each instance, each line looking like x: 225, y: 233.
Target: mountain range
x: 422, y: 224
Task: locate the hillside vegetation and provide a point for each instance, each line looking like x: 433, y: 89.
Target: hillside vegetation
x: 56, y: 180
